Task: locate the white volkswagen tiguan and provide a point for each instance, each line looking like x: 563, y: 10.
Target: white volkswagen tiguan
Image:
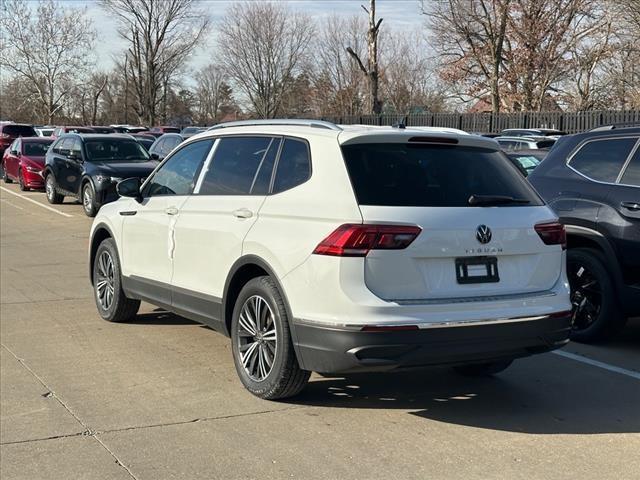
x: 339, y: 249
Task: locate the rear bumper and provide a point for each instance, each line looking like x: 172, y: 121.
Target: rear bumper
x: 340, y: 350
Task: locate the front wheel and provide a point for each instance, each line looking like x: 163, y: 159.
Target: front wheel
x: 89, y: 200
x: 113, y: 305
x: 21, y: 184
x: 261, y: 343
x: 483, y: 369
x: 5, y: 177
x: 51, y: 190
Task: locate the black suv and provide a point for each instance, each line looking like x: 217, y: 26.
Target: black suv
x: 89, y: 166
x: 592, y: 181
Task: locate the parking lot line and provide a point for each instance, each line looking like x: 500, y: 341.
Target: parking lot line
x: 37, y: 203
x: 596, y: 363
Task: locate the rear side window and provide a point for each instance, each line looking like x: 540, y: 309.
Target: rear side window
x: 294, y: 165
x: 19, y: 131
x: 410, y: 175
x: 602, y: 160
x: 631, y: 174
x: 234, y: 165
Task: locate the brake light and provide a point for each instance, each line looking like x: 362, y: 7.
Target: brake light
x: 552, y: 233
x: 356, y: 240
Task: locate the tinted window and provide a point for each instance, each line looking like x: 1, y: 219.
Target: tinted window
x: 177, y: 175
x: 294, y: 165
x: 631, y: 175
x: 19, y: 131
x: 33, y: 149
x: 263, y: 180
x: 602, y: 159
x: 66, y: 145
x: 234, y: 165
x: 114, y: 150
x: 157, y: 146
x: 399, y: 174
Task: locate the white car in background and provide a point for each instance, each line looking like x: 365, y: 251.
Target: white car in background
x: 339, y: 249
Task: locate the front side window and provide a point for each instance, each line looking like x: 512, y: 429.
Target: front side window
x: 294, y: 165
x: 15, y: 146
x: 602, y: 160
x: 178, y: 173
x: 631, y: 174
x: 235, y: 165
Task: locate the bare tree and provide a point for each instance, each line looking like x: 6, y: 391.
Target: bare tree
x: 262, y: 47
x: 371, y: 70
x: 213, y: 94
x: 47, y: 49
x: 469, y: 36
x: 161, y: 35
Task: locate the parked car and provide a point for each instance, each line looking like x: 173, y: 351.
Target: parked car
x: 333, y: 250
x: 44, y: 131
x: 88, y: 167
x: 190, y: 131
x: 527, y: 160
x: 23, y: 162
x: 524, y: 143
x: 100, y: 129
x: 532, y: 132
x: 129, y: 129
x: 158, y: 131
x: 592, y: 181
x: 59, y: 131
x: 10, y: 131
x: 164, y: 144
x: 145, y: 140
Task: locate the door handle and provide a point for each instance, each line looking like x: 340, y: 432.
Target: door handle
x: 243, y: 213
x: 633, y: 206
x: 171, y: 210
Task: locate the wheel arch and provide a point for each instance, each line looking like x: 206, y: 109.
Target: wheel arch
x: 100, y: 233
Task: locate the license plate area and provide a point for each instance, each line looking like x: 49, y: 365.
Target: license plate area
x: 477, y: 270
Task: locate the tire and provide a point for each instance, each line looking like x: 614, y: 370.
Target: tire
x: 88, y: 198
x: 21, y: 184
x: 112, y: 303
x: 5, y: 177
x: 483, y: 369
x: 51, y: 191
x: 283, y: 378
x: 596, y: 313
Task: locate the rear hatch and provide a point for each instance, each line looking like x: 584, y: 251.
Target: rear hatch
x: 477, y: 216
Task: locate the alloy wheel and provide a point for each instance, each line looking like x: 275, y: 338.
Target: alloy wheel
x: 257, y: 338
x: 105, y: 283
x: 586, y: 295
x: 87, y: 199
x: 49, y: 187
x: 21, y: 180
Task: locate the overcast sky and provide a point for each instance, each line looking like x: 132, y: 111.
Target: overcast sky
x: 397, y: 15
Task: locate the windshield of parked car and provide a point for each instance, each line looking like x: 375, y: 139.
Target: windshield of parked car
x: 414, y: 175
x: 35, y: 149
x: 115, y: 150
x: 19, y: 130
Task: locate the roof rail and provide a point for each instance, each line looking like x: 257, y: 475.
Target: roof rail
x: 278, y: 121
x: 614, y: 126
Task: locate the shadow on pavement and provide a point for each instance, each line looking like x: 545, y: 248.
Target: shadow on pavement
x: 522, y: 400
x: 160, y: 317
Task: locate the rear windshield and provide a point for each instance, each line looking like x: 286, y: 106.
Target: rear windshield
x: 411, y: 175
x: 19, y: 131
x: 115, y: 150
x: 35, y: 149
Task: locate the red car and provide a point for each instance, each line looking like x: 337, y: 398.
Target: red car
x: 10, y: 131
x: 23, y: 162
x: 159, y: 131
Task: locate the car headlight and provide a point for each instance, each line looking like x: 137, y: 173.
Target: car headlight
x: 107, y: 179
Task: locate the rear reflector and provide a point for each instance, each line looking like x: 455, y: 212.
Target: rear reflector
x: 388, y: 328
x: 356, y: 240
x: 552, y: 233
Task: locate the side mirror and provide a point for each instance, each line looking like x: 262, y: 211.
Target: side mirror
x: 155, y: 156
x: 130, y: 187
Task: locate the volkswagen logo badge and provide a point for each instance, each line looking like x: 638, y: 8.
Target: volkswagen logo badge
x: 483, y: 234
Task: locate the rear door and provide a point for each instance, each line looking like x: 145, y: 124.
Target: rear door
x: 464, y: 250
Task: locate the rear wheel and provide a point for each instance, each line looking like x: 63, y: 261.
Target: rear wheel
x: 113, y: 305
x: 21, y: 183
x: 5, y: 177
x: 261, y: 343
x: 483, y: 369
x: 596, y: 313
x: 51, y: 190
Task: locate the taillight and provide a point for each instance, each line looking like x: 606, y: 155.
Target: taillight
x: 552, y: 233
x: 356, y: 240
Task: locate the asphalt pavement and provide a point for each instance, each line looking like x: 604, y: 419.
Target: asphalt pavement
x: 158, y: 398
